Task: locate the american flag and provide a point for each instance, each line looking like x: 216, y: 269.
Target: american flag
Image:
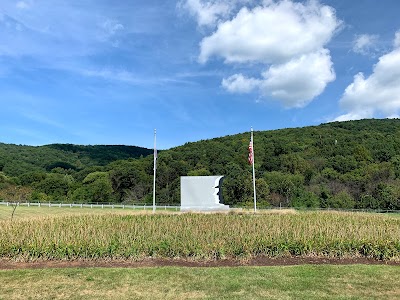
x: 251, y: 160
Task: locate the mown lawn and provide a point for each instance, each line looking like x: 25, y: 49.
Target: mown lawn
x: 289, y: 282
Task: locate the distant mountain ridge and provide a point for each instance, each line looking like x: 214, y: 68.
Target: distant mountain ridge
x: 18, y: 159
x: 104, y: 154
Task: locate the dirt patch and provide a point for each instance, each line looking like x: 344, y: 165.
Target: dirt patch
x: 160, y: 262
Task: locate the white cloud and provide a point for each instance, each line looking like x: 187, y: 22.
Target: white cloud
x: 394, y: 116
x: 397, y: 39
x: 111, y: 27
x: 295, y: 83
x: 377, y: 94
x: 298, y: 67
x: 260, y: 35
x: 110, y: 30
x: 51, y: 33
x: 240, y: 84
x: 365, y: 44
x: 124, y: 76
x: 109, y: 74
x: 209, y: 12
x: 353, y: 116
x: 43, y: 31
x: 206, y: 13
x: 300, y: 80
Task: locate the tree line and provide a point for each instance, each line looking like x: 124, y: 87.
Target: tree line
x: 353, y: 164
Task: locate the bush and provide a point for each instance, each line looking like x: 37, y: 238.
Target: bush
x: 341, y: 200
x: 305, y: 199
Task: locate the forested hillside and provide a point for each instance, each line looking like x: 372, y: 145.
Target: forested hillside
x: 354, y: 164
x: 16, y: 160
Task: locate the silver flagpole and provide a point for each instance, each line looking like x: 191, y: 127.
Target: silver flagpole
x: 254, y: 174
x: 154, y: 176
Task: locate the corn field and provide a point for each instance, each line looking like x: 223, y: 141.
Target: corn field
x: 202, y: 236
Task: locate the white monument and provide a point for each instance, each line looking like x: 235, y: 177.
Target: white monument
x: 202, y: 193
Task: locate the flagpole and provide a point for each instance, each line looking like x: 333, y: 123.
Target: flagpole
x: 254, y: 174
x: 154, y: 175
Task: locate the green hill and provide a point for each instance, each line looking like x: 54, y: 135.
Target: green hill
x: 16, y: 160
x: 354, y: 164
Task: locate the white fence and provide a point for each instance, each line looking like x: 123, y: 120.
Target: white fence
x: 176, y: 207
x: 94, y: 206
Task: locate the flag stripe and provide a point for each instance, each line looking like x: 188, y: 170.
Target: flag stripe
x: 251, y: 160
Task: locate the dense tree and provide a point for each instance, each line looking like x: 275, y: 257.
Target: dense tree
x: 129, y: 180
x: 339, y: 164
x: 16, y: 160
x: 284, y: 184
x: 56, y: 186
x: 96, y: 187
x: 237, y: 186
x: 303, y: 198
x: 32, y: 177
x: 341, y: 200
x: 387, y: 196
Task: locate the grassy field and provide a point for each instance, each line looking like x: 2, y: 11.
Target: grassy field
x: 70, y: 233
x: 291, y: 282
x: 202, y: 236
x: 25, y: 212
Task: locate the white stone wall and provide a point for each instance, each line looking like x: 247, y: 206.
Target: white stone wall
x: 201, y: 193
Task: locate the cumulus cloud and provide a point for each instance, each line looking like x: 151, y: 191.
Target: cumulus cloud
x: 260, y: 35
x: 297, y: 65
x: 365, y: 44
x: 377, y: 94
x: 300, y: 80
x: 295, y: 83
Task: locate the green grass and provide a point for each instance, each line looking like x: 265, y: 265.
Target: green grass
x: 291, y: 282
x: 202, y: 236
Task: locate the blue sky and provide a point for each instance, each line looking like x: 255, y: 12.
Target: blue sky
x: 109, y: 72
